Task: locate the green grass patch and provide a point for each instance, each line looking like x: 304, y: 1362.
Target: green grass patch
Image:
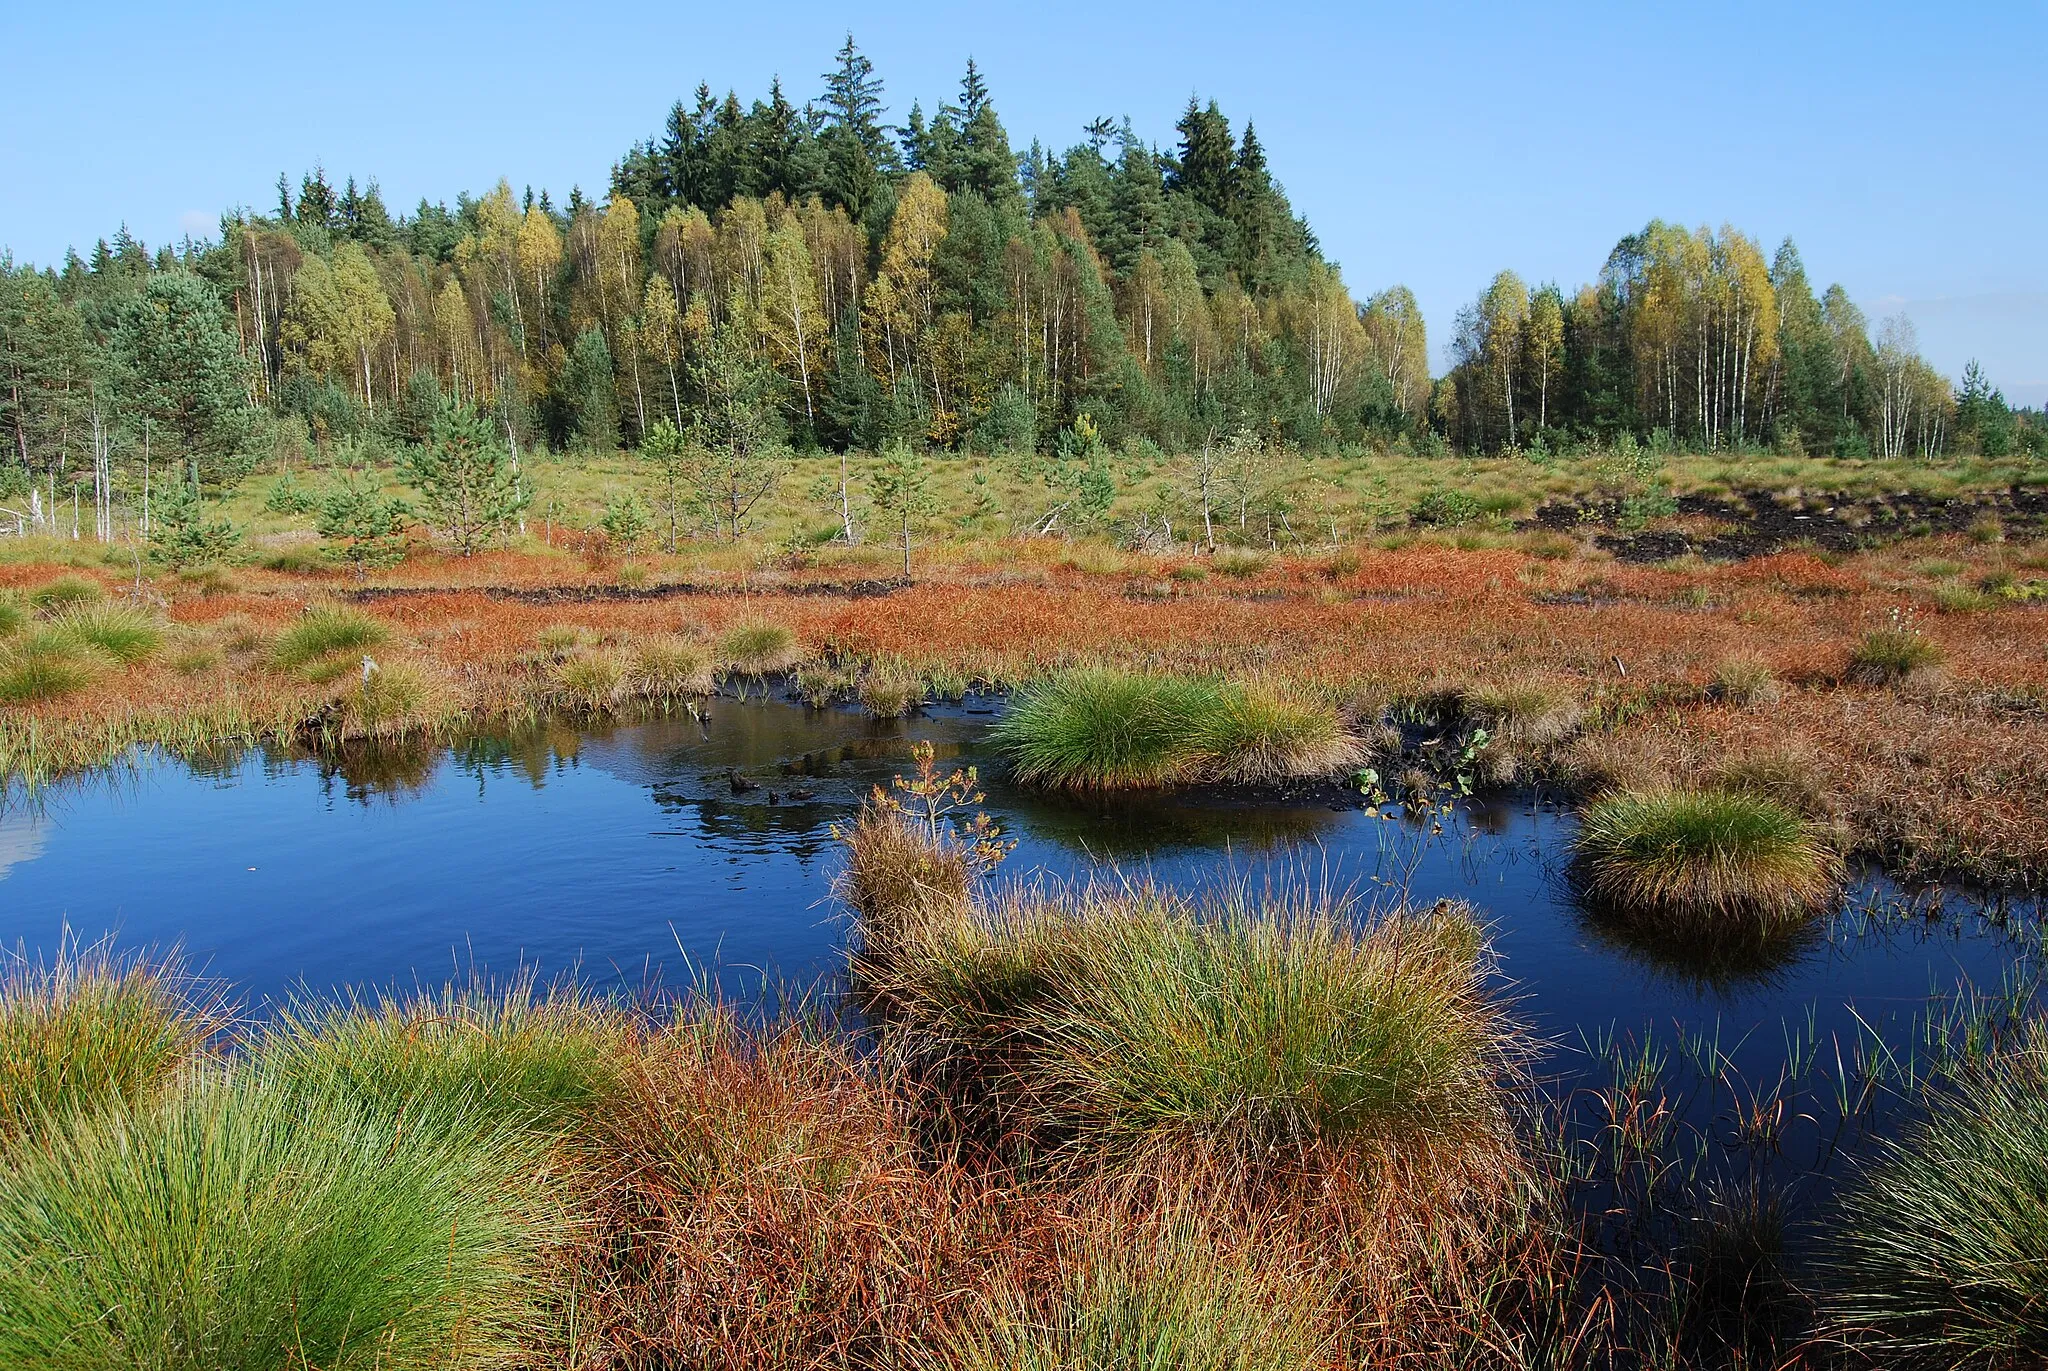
x: 1248, y: 1029
x: 507, y: 1055
x: 1713, y: 865
x: 594, y: 681
x: 670, y: 668
x: 64, y: 593
x: 1110, y: 730
x: 1105, y: 729
x: 1887, y: 655
x: 235, y: 1226
x: 125, y: 633
x: 890, y: 688
x: 324, y: 632
x: 1937, y: 1252
x: 12, y: 616
x: 759, y: 649
x: 1174, y: 1301
x: 86, y: 1029
x: 44, y: 666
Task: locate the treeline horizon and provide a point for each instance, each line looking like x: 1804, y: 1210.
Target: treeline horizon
x: 855, y: 284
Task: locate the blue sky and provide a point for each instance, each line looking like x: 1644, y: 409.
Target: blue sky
x: 1905, y: 147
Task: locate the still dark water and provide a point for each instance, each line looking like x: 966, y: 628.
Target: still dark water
x: 624, y: 855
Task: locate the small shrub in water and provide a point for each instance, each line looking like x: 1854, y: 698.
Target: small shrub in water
x: 759, y: 649
x: 323, y: 632
x: 236, y: 1226
x: 1708, y: 864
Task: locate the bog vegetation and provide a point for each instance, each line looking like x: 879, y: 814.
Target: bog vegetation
x: 882, y: 417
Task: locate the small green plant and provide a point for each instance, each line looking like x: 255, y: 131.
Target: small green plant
x: 12, y: 616
x: 470, y: 489
x: 288, y: 495
x: 626, y: 521
x: 1446, y: 509
x: 1892, y: 653
x: 182, y: 535
x: 363, y: 522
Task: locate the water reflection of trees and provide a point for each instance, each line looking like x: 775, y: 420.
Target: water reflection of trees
x: 381, y: 770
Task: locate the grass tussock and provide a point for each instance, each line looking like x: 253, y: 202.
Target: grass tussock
x: 1937, y: 1252
x: 669, y: 668
x: 87, y: 1029
x: 234, y: 1226
x: 1708, y: 864
x: 769, y: 1204
x: 12, y: 616
x: 1171, y: 1295
x: 122, y: 633
x: 66, y: 592
x: 1103, y: 729
x: 1265, y: 731
x: 323, y: 636
x: 395, y: 699
x: 514, y: 1055
x: 595, y: 681
x: 890, y: 688
x: 1889, y: 655
x: 44, y: 666
x: 1747, y: 679
x: 759, y: 648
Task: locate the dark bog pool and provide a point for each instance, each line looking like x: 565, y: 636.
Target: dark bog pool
x: 627, y: 856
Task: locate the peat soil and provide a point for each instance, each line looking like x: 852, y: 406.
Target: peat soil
x: 1756, y: 523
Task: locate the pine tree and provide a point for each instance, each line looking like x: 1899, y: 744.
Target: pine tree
x: 184, y: 372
